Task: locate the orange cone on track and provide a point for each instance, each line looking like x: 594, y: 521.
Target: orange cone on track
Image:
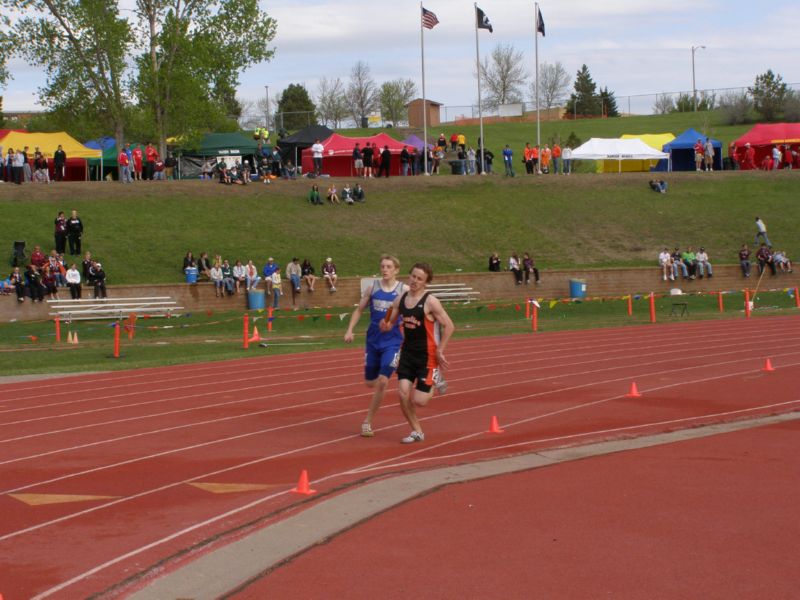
x: 768, y: 366
x: 69, y: 341
x: 255, y: 337
x: 494, y: 426
x: 302, y: 485
x: 634, y: 392
x: 75, y: 338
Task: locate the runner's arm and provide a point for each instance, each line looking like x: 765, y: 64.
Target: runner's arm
x: 362, y: 304
x: 439, y: 314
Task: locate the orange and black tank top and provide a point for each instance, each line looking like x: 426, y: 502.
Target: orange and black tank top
x: 419, y: 332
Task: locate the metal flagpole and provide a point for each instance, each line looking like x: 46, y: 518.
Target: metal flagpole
x: 424, y: 104
x: 536, y: 45
x: 482, y: 145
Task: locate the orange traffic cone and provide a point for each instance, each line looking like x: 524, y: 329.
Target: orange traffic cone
x: 255, y: 337
x: 494, y: 427
x: 768, y: 366
x: 75, y: 338
x: 634, y: 393
x: 69, y: 341
x: 302, y: 485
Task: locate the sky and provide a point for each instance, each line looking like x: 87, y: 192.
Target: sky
x: 632, y: 46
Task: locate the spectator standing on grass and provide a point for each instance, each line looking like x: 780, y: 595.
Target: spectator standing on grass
x: 74, y: 233
x: 17, y: 162
x: 566, y: 154
x: 749, y: 157
x: 471, y: 161
x: 703, y: 264
x: 59, y: 163
x: 527, y: 156
x: 329, y: 273
x: 136, y: 153
x: 453, y: 142
x: 515, y: 267
x: 277, y: 288
x: 382, y: 348
x: 26, y: 166
x: 405, y: 157
x: 508, y: 160
x: 699, y: 150
x: 386, y: 162
x: 556, y: 158
x: 744, y: 260
x: 74, y: 282
x: 368, y: 155
x: 169, y: 166
x: 124, y: 166
x: 776, y: 157
x: 358, y: 161
x: 761, y: 232
x: 317, y: 149
x: 61, y: 232
x: 86, y: 267
x: 150, y: 157
x: 462, y: 142
x: 308, y: 274
x: 708, y: 155
x: 765, y: 259
x: 545, y: 157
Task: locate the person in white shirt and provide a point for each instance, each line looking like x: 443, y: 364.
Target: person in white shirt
x: 251, y: 276
x: 216, y: 279
x: 708, y: 155
x: 703, y: 266
x: 665, y: 262
x: 316, y: 153
x: 566, y: 157
x: 239, y: 275
x: 74, y: 282
x: 776, y: 158
x: 515, y: 268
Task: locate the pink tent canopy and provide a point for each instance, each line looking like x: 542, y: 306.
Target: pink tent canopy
x: 338, y: 155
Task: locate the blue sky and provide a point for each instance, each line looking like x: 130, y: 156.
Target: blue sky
x: 631, y: 46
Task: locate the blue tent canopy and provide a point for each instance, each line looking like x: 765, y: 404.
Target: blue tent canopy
x: 681, y: 150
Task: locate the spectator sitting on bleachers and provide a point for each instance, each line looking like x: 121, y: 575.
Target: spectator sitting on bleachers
x: 37, y: 257
x: 216, y: 279
x: 658, y: 185
x: 665, y: 262
x: 703, y: 264
x: 677, y: 263
x: 49, y: 282
x: 227, y: 277
x: 765, y: 259
x: 329, y: 273
x: 494, y: 263
x: 690, y: 260
x: 17, y: 280
x: 98, y: 277
x: 781, y: 260
x: 358, y: 193
x: 239, y: 275
x: 307, y: 270
x: 251, y: 276
x: 204, y: 266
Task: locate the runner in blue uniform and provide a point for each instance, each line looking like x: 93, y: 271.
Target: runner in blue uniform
x: 380, y: 358
x: 426, y: 330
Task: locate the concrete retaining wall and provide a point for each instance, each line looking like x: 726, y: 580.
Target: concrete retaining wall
x: 492, y: 286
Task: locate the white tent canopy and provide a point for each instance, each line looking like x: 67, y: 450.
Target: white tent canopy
x: 617, y: 149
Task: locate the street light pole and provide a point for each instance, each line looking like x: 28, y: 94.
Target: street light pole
x: 266, y: 121
x: 694, y: 86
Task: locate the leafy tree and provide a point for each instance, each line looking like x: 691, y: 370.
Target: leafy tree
x: 685, y: 102
x: 332, y: 102
x: 2, y: 116
x: 573, y: 141
x: 584, y: 101
x: 791, y: 106
x: 394, y: 97
x: 769, y: 92
x: 191, y: 61
x: 735, y: 108
x: 83, y: 45
x: 362, y: 92
x: 664, y: 104
x: 609, y: 103
x: 554, y: 82
x: 296, y: 108
x: 502, y: 76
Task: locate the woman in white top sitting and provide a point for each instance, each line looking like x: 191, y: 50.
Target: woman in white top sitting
x: 216, y: 278
x: 251, y: 276
x: 74, y: 282
x: 239, y: 275
x: 515, y: 268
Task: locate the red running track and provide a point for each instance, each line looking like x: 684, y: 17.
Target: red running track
x: 707, y: 518
x: 132, y: 444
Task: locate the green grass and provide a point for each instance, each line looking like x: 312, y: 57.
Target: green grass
x: 141, y: 232
x: 201, y: 337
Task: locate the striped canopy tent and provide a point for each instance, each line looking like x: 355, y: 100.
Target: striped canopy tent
x: 77, y: 154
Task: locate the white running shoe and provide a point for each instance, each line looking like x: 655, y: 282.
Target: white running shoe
x: 366, y: 430
x: 414, y: 436
x: 439, y: 383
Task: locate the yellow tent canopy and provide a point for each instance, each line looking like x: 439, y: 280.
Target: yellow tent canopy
x: 48, y: 143
x: 654, y: 140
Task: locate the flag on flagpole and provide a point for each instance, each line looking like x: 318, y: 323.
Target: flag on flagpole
x: 539, y: 22
x: 429, y: 20
x: 483, y: 20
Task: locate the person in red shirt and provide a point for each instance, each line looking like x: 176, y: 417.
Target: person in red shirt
x: 453, y: 142
x: 137, y: 163
x: 556, y: 158
x: 150, y: 157
x: 124, y: 167
x: 749, y: 157
x: 698, y: 154
x: 37, y: 257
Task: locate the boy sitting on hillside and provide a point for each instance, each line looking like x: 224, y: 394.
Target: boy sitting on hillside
x: 658, y: 185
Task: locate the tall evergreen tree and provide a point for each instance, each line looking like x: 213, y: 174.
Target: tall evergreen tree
x: 609, y: 103
x: 296, y: 108
x: 584, y: 101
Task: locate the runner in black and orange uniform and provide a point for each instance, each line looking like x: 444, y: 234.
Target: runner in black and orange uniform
x: 426, y: 329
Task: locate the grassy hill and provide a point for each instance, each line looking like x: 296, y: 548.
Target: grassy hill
x: 142, y: 231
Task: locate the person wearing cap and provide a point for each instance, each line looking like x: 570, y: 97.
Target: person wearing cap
x: 329, y: 273
x: 749, y: 157
x: 98, y: 276
x: 677, y: 263
x: 703, y: 266
x: 293, y: 273
x: 268, y: 270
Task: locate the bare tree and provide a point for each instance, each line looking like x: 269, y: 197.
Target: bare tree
x: 332, y: 106
x: 503, y: 76
x: 362, y: 92
x: 664, y: 104
x: 394, y: 97
x: 554, y: 85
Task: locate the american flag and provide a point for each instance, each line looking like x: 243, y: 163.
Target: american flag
x: 429, y: 20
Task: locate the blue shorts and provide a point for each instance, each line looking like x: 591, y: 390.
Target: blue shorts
x: 380, y: 361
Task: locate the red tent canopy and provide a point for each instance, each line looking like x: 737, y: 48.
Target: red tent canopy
x: 764, y: 136
x: 338, y: 156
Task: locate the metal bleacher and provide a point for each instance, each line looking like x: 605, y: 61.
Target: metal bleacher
x: 113, y: 308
